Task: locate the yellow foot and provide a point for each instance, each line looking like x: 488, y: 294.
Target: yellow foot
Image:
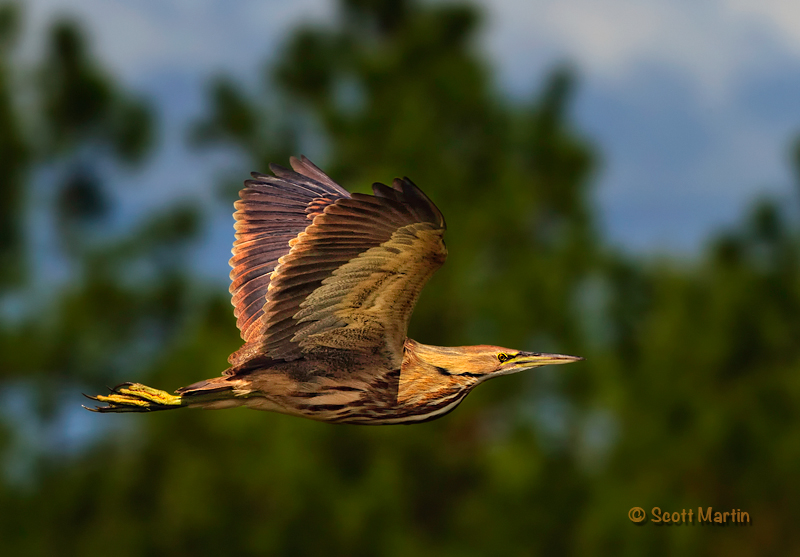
x: 135, y: 397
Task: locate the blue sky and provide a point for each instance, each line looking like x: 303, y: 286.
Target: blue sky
x: 692, y: 104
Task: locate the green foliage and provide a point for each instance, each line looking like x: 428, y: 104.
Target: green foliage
x: 14, y: 154
x: 82, y: 105
x: 689, y: 395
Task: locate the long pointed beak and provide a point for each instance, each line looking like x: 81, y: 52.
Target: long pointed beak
x: 535, y: 359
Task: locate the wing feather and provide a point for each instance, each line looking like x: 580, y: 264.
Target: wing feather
x: 352, y: 278
x: 271, y: 212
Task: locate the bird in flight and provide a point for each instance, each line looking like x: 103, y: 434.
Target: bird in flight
x: 324, y: 282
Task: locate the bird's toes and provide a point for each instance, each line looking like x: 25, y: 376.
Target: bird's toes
x: 134, y: 397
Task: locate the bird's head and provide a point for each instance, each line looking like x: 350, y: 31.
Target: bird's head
x: 492, y: 361
x: 436, y: 373
x: 483, y: 362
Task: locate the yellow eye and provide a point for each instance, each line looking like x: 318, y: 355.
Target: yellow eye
x: 503, y: 357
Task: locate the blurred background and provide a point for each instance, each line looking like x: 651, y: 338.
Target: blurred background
x: 620, y: 181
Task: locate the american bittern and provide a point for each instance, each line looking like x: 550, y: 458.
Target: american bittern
x: 323, y: 284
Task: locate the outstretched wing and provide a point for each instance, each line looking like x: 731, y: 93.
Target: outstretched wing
x: 272, y: 211
x: 353, y: 276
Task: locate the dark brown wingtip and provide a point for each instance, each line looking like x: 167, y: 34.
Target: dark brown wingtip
x: 305, y: 167
x: 417, y: 198
x: 278, y: 170
x: 382, y: 190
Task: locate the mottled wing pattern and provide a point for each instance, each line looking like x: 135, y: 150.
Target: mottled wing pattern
x: 272, y: 211
x: 351, y: 280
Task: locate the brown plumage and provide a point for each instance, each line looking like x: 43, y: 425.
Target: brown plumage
x: 323, y: 285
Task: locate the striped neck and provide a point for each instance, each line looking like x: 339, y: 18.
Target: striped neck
x: 432, y: 374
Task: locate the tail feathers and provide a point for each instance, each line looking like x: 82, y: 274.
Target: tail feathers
x: 207, y: 386
x: 135, y: 397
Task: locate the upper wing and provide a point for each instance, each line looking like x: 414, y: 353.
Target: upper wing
x: 352, y: 278
x: 272, y: 211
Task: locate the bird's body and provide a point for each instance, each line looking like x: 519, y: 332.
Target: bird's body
x: 323, y: 284
x: 348, y: 388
